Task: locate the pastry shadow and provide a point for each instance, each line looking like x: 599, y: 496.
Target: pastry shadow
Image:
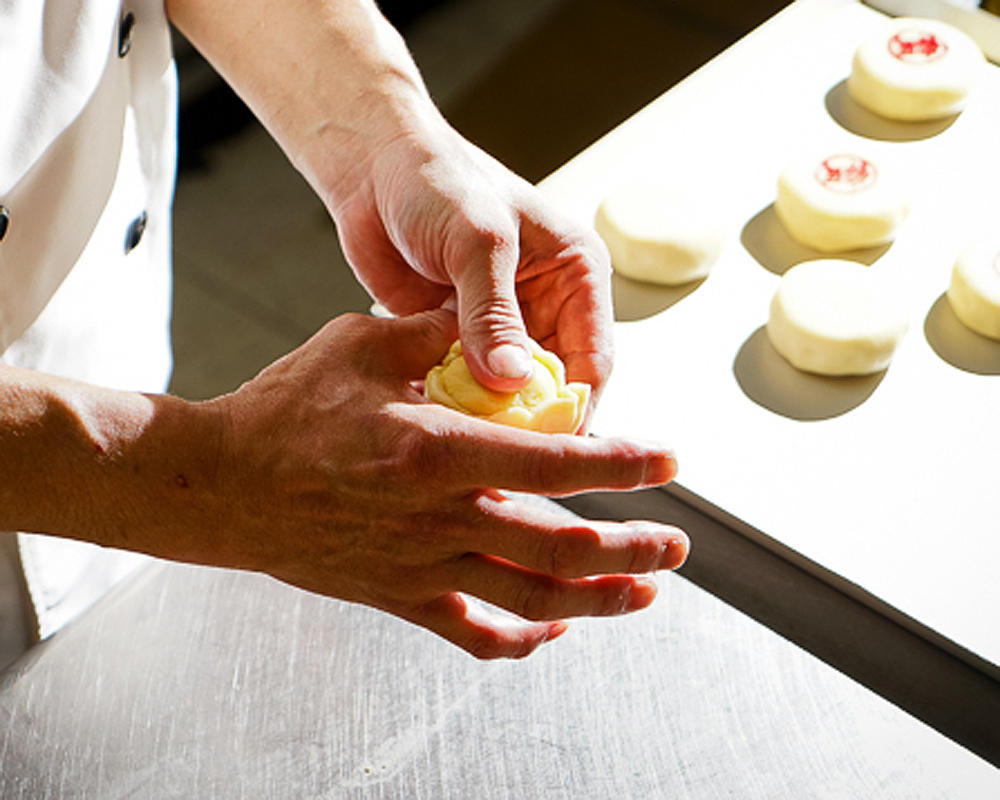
x: 957, y: 344
x: 772, y: 383
x: 635, y: 300
x: 852, y: 116
x: 766, y: 239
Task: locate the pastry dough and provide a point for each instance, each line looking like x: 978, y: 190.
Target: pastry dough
x: 974, y: 293
x: 547, y: 404
x: 655, y: 234
x: 834, y: 317
x: 918, y: 69
x: 840, y: 202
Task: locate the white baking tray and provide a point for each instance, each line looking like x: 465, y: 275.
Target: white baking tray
x: 892, y: 482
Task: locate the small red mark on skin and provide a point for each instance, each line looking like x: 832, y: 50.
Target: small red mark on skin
x: 846, y: 173
x: 914, y: 46
x: 181, y: 482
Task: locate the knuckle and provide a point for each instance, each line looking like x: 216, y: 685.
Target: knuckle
x: 536, y: 469
x: 426, y: 456
x: 550, y: 467
x: 351, y: 325
x: 488, y: 237
x: 569, y: 554
x: 489, y: 646
x: 646, y: 555
x: 361, y: 340
x: 491, y: 317
x: 614, y: 599
x: 484, y: 645
x: 536, y: 599
x: 471, y: 236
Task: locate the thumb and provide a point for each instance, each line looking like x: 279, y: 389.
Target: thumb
x: 416, y: 343
x: 494, y: 340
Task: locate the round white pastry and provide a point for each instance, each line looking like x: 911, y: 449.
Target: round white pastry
x: 548, y: 403
x: 840, y: 202
x: 656, y: 234
x: 835, y: 317
x: 974, y: 292
x: 917, y: 69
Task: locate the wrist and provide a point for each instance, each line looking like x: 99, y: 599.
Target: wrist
x: 114, y: 468
x: 342, y: 155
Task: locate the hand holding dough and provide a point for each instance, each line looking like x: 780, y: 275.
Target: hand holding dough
x: 547, y: 404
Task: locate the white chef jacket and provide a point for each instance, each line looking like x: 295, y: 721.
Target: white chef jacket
x: 87, y: 163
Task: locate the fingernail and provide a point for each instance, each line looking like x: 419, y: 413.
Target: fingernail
x: 556, y: 629
x: 676, y: 551
x: 661, y: 469
x: 510, y: 361
x: 643, y: 592
x: 659, y: 462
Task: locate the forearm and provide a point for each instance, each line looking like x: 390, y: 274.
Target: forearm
x: 114, y: 468
x: 331, y: 79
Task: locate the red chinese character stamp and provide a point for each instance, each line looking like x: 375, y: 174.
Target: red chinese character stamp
x: 915, y: 46
x: 846, y: 173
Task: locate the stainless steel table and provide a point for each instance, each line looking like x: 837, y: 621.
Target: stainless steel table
x: 195, y: 683
x: 759, y: 673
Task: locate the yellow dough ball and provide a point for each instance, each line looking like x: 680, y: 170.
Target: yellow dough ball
x: 657, y: 235
x: 974, y: 293
x: 917, y: 69
x: 547, y: 404
x: 840, y: 202
x: 834, y: 317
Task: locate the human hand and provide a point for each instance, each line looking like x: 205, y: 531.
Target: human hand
x: 338, y: 477
x: 434, y: 217
x: 424, y: 216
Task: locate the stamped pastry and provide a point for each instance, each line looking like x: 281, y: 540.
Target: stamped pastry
x: 840, y: 202
x: 547, y: 404
x: 918, y: 69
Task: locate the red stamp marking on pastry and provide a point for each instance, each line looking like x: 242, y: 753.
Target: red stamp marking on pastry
x: 915, y: 46
x: 846, y: 173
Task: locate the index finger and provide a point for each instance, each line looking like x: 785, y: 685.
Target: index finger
x: 468, y: 453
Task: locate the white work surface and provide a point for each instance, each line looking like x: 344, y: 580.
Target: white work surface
x: 889, y: 482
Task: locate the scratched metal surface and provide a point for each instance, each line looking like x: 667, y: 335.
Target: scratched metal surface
x: 190, y: 682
